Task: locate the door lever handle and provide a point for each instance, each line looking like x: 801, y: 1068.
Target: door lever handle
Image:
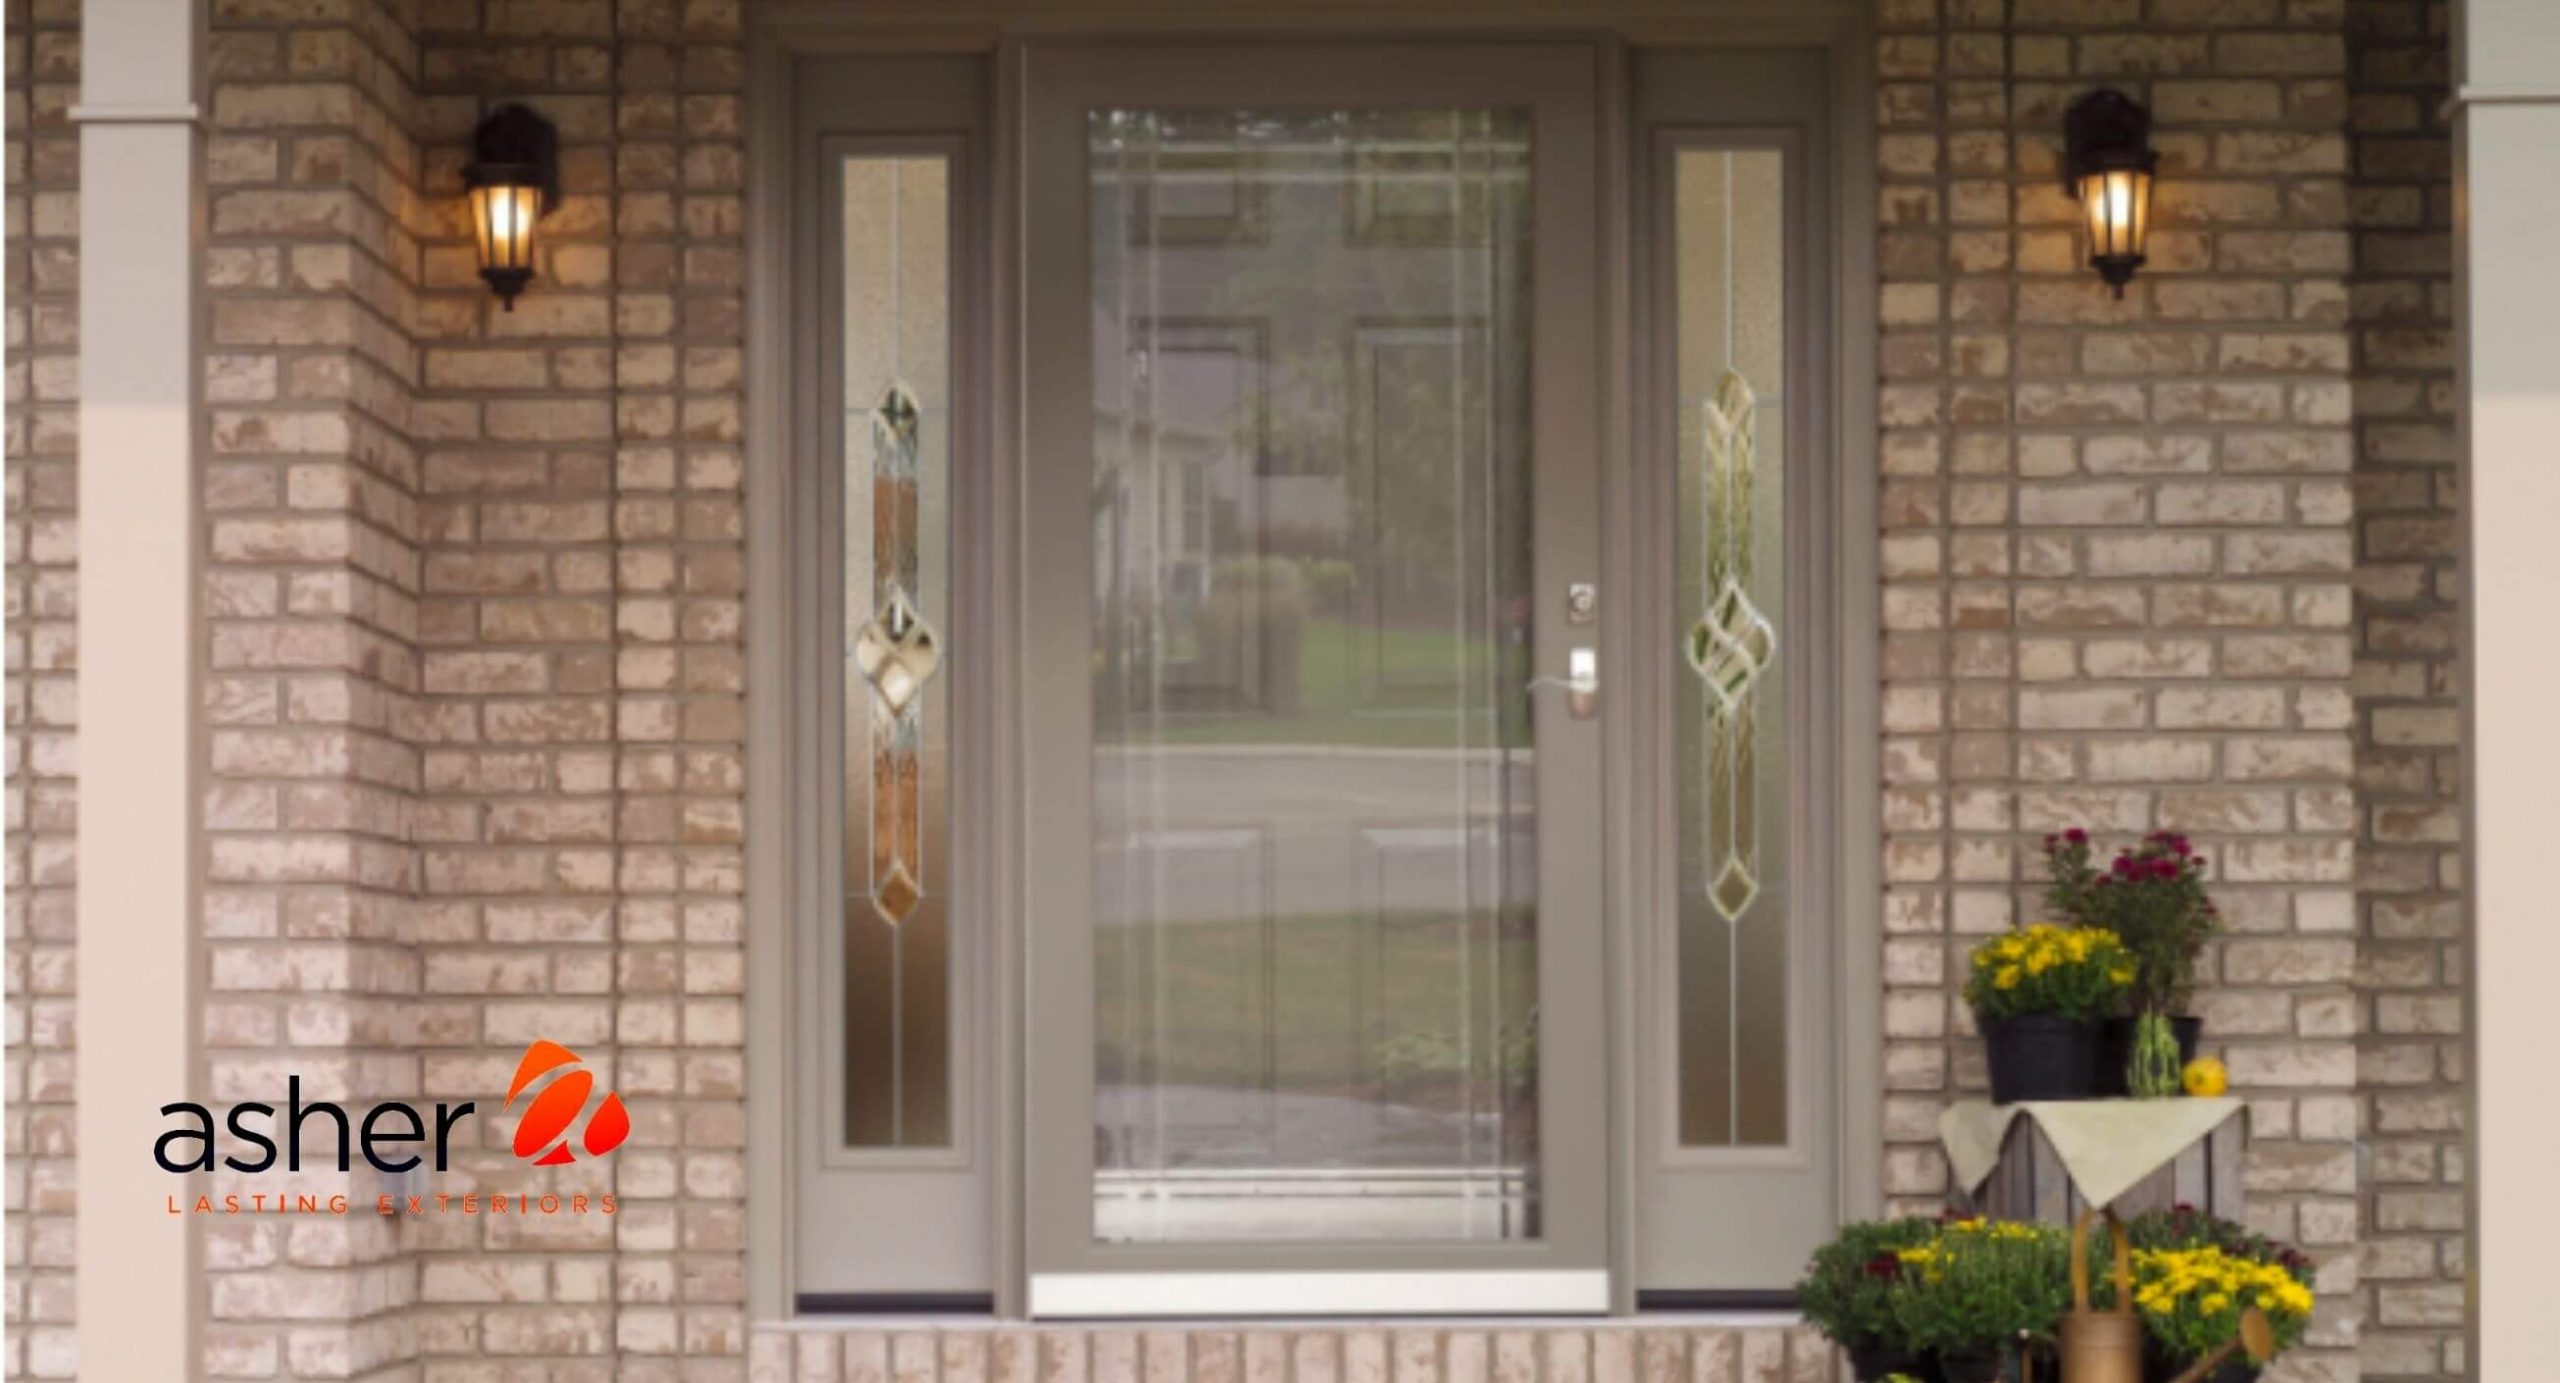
x: 1580, y: 684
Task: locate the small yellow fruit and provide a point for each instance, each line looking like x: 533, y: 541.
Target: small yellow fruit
x: 2204, y: 1076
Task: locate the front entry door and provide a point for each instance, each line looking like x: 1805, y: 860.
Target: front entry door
x: 1309, y: 447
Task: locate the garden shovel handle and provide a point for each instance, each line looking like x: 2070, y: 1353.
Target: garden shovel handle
x: 2080, y: 1260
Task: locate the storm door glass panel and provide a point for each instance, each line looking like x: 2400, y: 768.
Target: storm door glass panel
x: 897, y: 581
x: 1315, y: 933
x: 1729, y: 265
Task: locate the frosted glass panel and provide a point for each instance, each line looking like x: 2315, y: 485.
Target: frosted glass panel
x: 897, y: 583
x: 1730, y: 273
x: 1314, y: 899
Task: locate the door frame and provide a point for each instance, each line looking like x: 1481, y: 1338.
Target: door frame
x: 784, y: 31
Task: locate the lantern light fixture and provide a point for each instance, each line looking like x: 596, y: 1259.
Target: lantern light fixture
x: 513, y: 180
x: 2109, y: 165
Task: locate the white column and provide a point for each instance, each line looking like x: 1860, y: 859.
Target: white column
x: 142, y: 236
x: 2507, y: 57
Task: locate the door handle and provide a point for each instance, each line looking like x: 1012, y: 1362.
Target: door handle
x: 1580, y: 683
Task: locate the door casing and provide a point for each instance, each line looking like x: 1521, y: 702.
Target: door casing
x: 783, y: 33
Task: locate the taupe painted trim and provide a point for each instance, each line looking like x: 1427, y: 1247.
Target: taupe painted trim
x: 1857, y: 803
x: 786, y: 28
x: 1710, y: 98
x: 2508, y: 377
x: 140, y: 1300
x: 179, y: 113
x: 1621, y: 880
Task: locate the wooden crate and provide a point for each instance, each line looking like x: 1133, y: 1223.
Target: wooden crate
x: 2029, y: 1183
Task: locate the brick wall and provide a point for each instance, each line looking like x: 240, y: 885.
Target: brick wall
x: 311, y: 596
x: 2118, y: 546
x: 2400, y: 201
x: 1620, y: 1352
x: 43, y: 384
x: 581, y: 624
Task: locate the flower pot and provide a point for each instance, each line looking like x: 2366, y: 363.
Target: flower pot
x: 2034, y: 1057
x: 1870, y: 1363
x: 1983, y: 1366
x: 2115, y: 1050
x: 2158, y: 1367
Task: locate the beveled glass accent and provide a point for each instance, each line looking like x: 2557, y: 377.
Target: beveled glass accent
x: 897, y: 379
x: 1730, y: 266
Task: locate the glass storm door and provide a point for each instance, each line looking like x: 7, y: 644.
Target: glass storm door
x: 1309, y: 447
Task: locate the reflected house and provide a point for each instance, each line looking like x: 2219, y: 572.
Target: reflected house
x: 1315, y: 1000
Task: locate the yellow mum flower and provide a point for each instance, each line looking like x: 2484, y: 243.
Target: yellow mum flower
x: 2007, y: 978
x: 2204, y: 1077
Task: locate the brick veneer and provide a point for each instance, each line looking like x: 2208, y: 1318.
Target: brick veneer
x: 1478, y: 1353
x: 311, y: 588
x: 2118, y: 546
x: 2400, y: 204
x: 581, y: 623
x: 42, y: 444
x: 476, y: 594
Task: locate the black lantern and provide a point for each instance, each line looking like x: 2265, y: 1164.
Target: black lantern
x: 514, y: 178
x: 2108, y: 163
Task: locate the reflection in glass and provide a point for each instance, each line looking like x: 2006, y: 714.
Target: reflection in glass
x: 897, y: 467
x: 1730, y: 273
x: 1315, y: 934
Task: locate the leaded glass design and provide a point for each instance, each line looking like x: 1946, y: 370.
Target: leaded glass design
x: 1735, y: 924
x: 897, y: 385
x: 1730, y: 649
x: 896, y: 652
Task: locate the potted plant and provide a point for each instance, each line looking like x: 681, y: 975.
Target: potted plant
x: 2190, y: 1300
x: 1847, y: 1294
x: 2037, y: 995
x: 2152, y: 897
x: 1982, y: 1292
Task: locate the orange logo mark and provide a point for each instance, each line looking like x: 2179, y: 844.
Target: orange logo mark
x: 547, y: 1116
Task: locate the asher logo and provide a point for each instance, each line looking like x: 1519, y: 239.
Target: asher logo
x: 544, y: 1126
x: 394, y: 1136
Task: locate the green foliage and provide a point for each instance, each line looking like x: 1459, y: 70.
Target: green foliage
x: 1847, y: 1291
x: 2152, y: 897
x: 1983, y: 1285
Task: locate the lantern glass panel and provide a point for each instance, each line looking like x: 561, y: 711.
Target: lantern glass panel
x: 502, y: 217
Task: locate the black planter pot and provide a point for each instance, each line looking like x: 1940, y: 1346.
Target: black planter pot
x: 1989, y: 1366
x: 2040, y: 1058
x: 1871, y: 1363
x: 2115, y: 1050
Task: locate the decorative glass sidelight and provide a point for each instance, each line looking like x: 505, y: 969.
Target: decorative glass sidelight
x: 897, y: 381
x: 1730, y: 649
x: 1315, y: 924
x: 1728, y: 244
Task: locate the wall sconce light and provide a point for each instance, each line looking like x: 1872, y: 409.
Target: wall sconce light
x: 2108, y: 163
x: 513, y: 178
